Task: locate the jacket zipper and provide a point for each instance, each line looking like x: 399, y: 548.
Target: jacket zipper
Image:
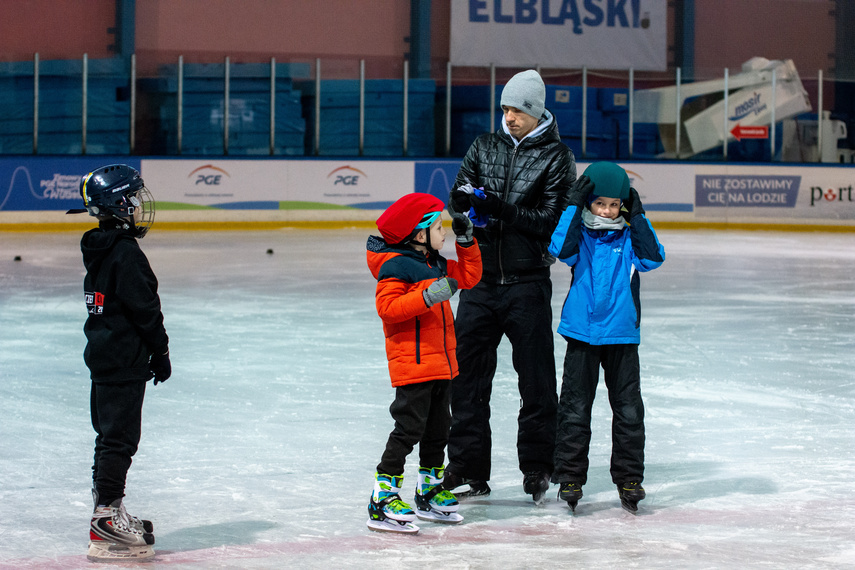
x: 445, y: 343
x: 505, y: 194
x: 418, y: 341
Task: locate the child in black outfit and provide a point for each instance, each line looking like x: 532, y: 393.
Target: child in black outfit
x: 127, y: 346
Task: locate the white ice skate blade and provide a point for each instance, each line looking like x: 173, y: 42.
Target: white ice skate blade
x: 390, y: 525
x: 439, y: 516
x: 103, y: 550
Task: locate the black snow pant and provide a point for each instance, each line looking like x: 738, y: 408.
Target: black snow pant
x: 422, y: 416
x: 116, y: 411
x: 581, y: 375
x: 486, y: 313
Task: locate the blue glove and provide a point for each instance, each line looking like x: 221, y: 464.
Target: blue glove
x: 478, y: 220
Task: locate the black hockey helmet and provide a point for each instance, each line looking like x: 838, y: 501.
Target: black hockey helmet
x: 117, y: 191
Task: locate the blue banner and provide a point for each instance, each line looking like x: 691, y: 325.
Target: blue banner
x: 41, y: 183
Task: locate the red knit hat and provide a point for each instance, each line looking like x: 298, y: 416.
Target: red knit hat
x: 401, y: 218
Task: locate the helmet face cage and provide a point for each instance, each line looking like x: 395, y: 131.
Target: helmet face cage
x: 143, y: 214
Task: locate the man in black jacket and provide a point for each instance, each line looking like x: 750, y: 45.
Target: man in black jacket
x: 516, y: 182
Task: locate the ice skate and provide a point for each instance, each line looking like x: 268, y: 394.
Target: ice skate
x: 433, y: 502
x: 112, y: 535
x: 631, y: 492
x: 142, y: 524
x: 475, y: 488
x: 386, y: 511
x: 536, y: 484
x: 571, y: 492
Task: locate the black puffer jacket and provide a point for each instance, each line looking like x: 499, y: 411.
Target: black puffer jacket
x: 536, y: 178
x: 125, y: 324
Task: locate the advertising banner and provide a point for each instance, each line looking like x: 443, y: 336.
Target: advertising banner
x: 276, y: 184
x: 38, y: 183
x: 770, y: 191
x: 755, y: 193
x: 564, y: 34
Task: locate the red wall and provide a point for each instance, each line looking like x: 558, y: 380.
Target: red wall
x: 727, y: 32
x: 56, y: 29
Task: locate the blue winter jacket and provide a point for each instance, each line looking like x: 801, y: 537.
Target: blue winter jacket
x: 603, y: 304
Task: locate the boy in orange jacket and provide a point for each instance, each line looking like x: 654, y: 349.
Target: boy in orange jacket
x: 414, y: 285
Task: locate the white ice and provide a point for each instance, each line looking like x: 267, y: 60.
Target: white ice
x: 260, y: 451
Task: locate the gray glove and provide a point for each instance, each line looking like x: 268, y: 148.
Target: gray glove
x: 461, y: 225
x: 440, y: 290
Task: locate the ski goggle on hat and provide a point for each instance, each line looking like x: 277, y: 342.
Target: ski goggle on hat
x: 428, y: 220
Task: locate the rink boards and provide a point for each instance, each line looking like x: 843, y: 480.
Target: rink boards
x: 38, y: 190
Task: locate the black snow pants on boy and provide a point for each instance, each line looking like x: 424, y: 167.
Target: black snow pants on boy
x: 116, y: 410
x: 581, y: 374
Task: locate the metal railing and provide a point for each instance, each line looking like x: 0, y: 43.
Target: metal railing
x: 445, y: 149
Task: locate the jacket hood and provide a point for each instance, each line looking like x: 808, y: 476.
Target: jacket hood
x: 379, y: 252
x: 547, y: 125
x: 97, y: 243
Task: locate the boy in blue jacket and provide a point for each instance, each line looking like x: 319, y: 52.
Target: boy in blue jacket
x: 607, y: 240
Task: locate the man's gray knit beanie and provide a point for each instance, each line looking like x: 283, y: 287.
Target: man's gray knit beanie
x: 526, y: 92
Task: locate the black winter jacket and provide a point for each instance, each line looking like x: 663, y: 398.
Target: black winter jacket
x: 125, y: 324
x: 535, y: 178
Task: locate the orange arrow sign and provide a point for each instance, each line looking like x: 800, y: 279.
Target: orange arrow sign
x: 753, y: 132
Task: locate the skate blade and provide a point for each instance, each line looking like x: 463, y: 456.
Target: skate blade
x: 572, y: 506
x: 471, y: 493
x: 539, y: 498
x: 390, y: 525
x: 440, y: 516
x: 631, y: 508
x: 99, y: 551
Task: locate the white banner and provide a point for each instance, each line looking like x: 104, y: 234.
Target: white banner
x: 565, y: 34
x: 276, y: 184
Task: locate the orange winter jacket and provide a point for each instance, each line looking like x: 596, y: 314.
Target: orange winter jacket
x: 420, y: 341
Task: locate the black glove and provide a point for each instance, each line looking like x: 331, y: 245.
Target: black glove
x: 440, y: 290
x: 459, y: 201
x: 582, y: 188
x: 493, y: 206
x: 632, y: 205
x: 461, y: 225
x: 160, y: 366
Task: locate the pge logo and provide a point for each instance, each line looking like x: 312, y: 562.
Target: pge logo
x: 209, y: 175
x: 346, y: 176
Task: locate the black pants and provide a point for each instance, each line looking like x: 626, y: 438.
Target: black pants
x: 486, y: 313
x: 116, y: 411
x: 581, y: 375
x: 421, y: 416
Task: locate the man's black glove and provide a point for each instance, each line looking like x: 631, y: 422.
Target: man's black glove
x: 582, y: 188
x: 493, y: 206
x: 160, y: 366
x: 461, y: 225
x: 459, y: 201
x: 440, y: 290
x: 632, y: 205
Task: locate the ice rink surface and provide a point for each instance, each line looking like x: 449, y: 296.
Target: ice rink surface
x: 260, y: 451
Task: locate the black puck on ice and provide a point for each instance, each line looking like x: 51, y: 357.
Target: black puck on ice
x: 17, y: 258
x: 269, y: 252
